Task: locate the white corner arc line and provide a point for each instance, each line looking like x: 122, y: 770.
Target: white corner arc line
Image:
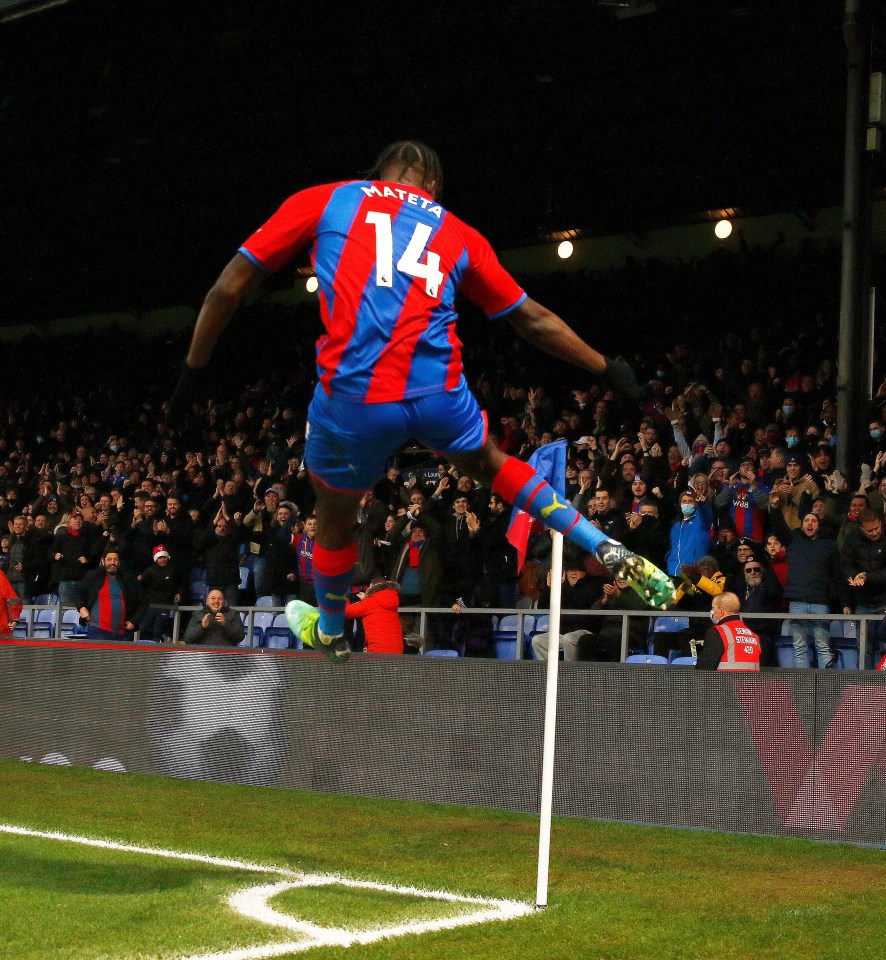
x: 252, y: 902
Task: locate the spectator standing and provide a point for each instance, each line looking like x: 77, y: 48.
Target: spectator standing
x: 498, y: 584
x: 604, y: 515
x: 176, y: 530
x: 793, y: 493
x: 74, y: 549
x: 778, y: 560
x: 813, y: 573
x: 303, y: 543
x: 377, y: 609
x: 21, y: 558
x: 162, y: 590
x: 110, y: 600
x: 648, y: 534
x: 259, y: 523
x: 691, y: 532
x: 42, y: 568
x: 10, y: 606
x: 760, y: 592
x: 220, y: 546
x: 745, y: 501
x: 419, y: 567
x: 281, y: 561
x: 461, y: 554
x: 863, y: 563
x: 730, y: 644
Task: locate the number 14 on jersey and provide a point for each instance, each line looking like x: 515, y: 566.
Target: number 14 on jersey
x: 410, y: 262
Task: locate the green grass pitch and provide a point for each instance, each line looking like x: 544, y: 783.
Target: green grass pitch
x: 616, y: 891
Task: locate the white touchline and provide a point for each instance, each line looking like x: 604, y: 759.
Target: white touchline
x: 253, y: 901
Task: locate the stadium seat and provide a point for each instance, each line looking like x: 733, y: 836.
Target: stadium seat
x: 505, y: 649
x: 504, y: 636
x: 683, y: 662
x: 198, y: 591
x: 647, y: 658
x: 665, y: 625
x: 71, y: 627
x: 44, y: 623
x: 265, y: 601
x: 844, y: 639
x: 844, y: 630
x: 670, y: 624
x: 244, y: 577
x: 441, y: 653
x: 46, y: 599
x: 261, y: 623
x: 278, y: 636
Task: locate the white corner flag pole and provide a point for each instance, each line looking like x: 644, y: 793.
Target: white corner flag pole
x: 547, y: 765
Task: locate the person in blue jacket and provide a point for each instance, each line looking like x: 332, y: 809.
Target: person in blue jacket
x: 691, y: 531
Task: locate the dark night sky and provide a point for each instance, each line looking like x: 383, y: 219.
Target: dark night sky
x: 142, y: 141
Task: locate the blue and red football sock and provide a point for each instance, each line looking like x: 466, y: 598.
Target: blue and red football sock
x: 332, y: 580
x: 526, y: 489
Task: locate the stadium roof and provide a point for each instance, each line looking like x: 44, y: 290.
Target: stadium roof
x: 142, y: 140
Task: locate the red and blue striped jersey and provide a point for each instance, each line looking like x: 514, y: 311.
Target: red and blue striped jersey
x: 389, y: 260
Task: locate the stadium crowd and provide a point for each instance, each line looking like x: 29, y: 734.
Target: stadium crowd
x: 723, y: 474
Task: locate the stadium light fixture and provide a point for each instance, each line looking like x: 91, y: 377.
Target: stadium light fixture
x: 311, y: 284
x: 723, y: 229
x: 565, y: 249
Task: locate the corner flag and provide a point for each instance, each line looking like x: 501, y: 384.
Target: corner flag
x: 549, y: 462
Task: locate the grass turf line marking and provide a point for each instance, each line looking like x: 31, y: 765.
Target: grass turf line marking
x: 252, y: 902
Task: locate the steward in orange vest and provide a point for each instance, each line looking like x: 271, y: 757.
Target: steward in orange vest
x: 729, y: 644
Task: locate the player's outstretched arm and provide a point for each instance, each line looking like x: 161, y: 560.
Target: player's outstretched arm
x: 225, y: 295
x: 545, y: 330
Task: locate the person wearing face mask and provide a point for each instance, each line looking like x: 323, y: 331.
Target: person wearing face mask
x: 792, y: 439
x: 690, y: 535
x: 876, y: 441
x: 788, y: 415
x: 729, y: 644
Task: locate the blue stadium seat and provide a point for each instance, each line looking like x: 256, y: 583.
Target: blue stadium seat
x: 505, y: 649
x: 670, y: 624
x: 71, y: 628
x: 683, y: 662
x: 504, y: 636
x: 441, y: 653
x: 265, y: 601
x: 647, y: 658
x: 844, y: 639
x: 44, y: 622
x: 261, y: 623
x: 278, y: 636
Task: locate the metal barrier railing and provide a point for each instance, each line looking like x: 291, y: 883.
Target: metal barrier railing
x: 54, y: 626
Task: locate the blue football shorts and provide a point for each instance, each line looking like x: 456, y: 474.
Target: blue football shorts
x: 350, y: 442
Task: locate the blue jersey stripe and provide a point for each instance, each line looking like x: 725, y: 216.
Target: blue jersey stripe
x: 334, y: 226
